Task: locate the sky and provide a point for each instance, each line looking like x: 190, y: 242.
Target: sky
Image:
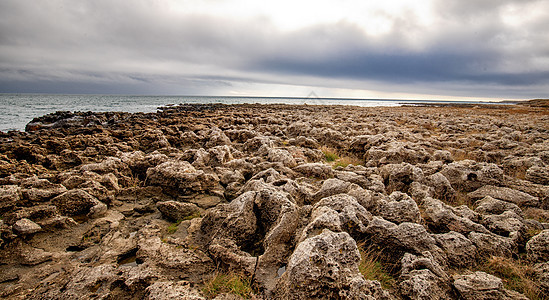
x: 389, y: 49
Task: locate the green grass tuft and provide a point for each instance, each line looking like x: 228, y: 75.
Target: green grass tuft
x: 229, y: 283
x: 372, y: 269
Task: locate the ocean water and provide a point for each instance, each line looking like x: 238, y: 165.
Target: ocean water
x: 16, y: 110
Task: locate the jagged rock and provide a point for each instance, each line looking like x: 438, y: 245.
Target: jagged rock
x: 489, y: 205
x: 459, y: 250
x: 226, y: 251
x: 507, y: 223
x: 315, y: 170
x: 330, y: 187
x: 177, y: 211
x: 337, y: 213
x: 443, y: 155
x: 505, y: 194
x: 442, y: 187
x: 398, y: 177
x: 352, y: 177
x: 541, y: 271
x: 26, y: 227
x: 326, y: 266
x: 109, y: 165
x: 424, y: 285
x: 539, y: 175
x: 40, y: 190
x: 9, y: 197
x: 168, y: 290
x: 480, y: 285
x: 30, y: 256
x: 283, y: 156
x: 398, y: 208
x: 235, y: 220
x: 537, y: 247
x: 34, y: 213
x: 79, y: 202
x: 442, y: 218
x: 493, y: 244
x: 217, y: 138
x: 400, y: 239
x: 468, y: 175
x: 180, y: 177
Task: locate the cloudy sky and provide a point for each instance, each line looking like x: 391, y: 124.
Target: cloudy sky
x: 428, y: 49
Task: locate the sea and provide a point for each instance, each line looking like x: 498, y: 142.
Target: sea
x: 17, y: 110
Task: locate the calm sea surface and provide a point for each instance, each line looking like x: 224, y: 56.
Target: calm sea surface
x: 16, y: 110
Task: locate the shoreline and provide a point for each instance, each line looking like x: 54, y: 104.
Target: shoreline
x: 292, y: 199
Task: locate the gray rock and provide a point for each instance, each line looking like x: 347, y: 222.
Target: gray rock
x: 424, y: 285
x: 539, y: 175
x: 330, y: 187
x: 541, y: 272
x: 507, y: 223
x: 505, y: 194
x: 180, y: 177
x: 177, y: 211
x: 398, y: 208
x: 26, y: 227
x: 489, y: 205
x: 537, y: 248
x: 442, y: 218
x: 493, y: 244
x: 460, y: 251
x: 316, y: 170
x: 326, y: 266
x: 168, y: 290
x: 480, y: 285
x: 442, y: 187
x: 283, y: 156
x: 337, y: 213
x: 398, y: 177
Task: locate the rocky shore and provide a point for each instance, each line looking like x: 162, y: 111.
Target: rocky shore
x: 278, y: 202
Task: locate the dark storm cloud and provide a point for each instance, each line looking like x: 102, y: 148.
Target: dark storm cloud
x: 146, y: 47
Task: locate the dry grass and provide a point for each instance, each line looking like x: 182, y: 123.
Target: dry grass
x: 223, y: 283
x: 515, y: 275
x: 337, y: 159
x: 371, y: 268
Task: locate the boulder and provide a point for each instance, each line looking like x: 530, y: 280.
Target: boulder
x: 537, y: 248
x: 489, y: 205
x: 78, y: 202
x: 442, y: 187
x: 442, y: 218
x: 26, y: 227
x: 39, y: 190
x: 398, y: 177
x: 315, y: 170
x: 480, y: 285
x: 398, y: 208
x: 539, y: 175
x: 282, y: 156
x: 177, y: 211
x: 330, y: 187
x: 505, y: 194
x: 326, y: 266
x: 492, y: 244
x: 460, y: 251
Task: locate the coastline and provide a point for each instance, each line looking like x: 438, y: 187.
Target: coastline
x: 292, y: 198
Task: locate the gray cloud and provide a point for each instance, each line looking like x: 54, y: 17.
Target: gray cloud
x: 144, y: 47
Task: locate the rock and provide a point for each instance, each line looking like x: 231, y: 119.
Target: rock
x: 9, y: 197
x: 537, y: 248
x: 489, y: 205
x: 30, y: 256
x: 283, y: 156
x: 506, y: 224
x: 330, y: 187
x: 398, y: 208
x: 492, y: 244
x: 460, y: 251
x: 403, y: 238
x: 443, y: 155
x: 442, y: 218
x: 480, y: 285
x: 26, y: 227
x: 315, y: 170
x: 181, y: 178
x: 337, y: 213
x: 424, y: 285
x: 442, y: 187
x: 177, y: 211
x: 539, y: 175
x: 109, y: 165
x: 39, y: 190
x: 541, y: 275
x: 78, y: 202
x: 352, y: 177
x: 33, y: 213
x: 217, y: 138
x: 168, y: 290
x: 468, y: 175
x: 398, y: 177
x: 325, y: 266
x: 505, y: 194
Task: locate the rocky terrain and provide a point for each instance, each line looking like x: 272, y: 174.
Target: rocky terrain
x: 278, y: 202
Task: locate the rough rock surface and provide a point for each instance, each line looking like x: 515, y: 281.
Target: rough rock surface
x: 161, y: 205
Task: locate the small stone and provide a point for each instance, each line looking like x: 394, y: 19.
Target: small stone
x: 26, y: 227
